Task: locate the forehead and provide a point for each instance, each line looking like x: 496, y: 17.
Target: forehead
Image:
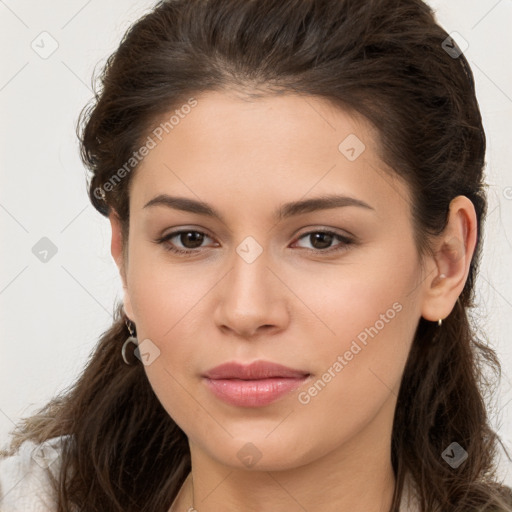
x: 271, y: 147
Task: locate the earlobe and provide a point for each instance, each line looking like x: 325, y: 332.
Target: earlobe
x: 451, y: 261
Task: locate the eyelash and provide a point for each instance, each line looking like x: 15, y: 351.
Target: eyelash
x: 343, y: 246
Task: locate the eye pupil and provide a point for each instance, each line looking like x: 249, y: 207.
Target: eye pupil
x: 191, y: 236
x: 324, y: 238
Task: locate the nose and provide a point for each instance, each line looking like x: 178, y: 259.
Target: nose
x: 251, y: 300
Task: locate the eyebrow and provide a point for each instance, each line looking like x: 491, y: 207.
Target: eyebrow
x: 286, y: 210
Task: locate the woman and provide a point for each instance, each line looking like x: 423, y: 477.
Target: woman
x: 295, y: 191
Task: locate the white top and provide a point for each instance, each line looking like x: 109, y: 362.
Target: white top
x: 25, y: 484
x: 24, y: 481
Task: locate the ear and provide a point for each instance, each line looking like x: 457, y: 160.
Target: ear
x: 116, y: 248
x: 450, y: 264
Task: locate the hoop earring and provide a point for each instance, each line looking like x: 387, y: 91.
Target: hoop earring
x: 132, y: 339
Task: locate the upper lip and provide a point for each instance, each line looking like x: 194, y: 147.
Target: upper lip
x: 254, y: 371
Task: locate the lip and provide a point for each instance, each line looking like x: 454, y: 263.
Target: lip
x: 253, y: 371
x: 254, y: 385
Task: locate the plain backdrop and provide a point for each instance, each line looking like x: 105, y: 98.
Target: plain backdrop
x: 53, y: 312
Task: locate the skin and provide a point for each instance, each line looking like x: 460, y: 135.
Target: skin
x: 292, y: 306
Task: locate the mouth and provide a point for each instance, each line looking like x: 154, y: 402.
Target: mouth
x: 254, y: 385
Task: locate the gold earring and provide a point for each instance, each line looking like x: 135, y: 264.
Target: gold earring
x: 440, y: 321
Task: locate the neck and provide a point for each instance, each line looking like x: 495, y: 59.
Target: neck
x: 355, y: 477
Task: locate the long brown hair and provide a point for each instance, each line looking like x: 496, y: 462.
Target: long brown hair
x: 388, y: 61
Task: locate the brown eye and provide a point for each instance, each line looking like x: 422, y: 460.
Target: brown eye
x: 187, y: 241
x: 321, y: 241
x: 190, y: 241
x: 194, y: 238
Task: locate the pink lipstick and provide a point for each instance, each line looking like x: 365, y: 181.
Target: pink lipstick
x: 254, y: 385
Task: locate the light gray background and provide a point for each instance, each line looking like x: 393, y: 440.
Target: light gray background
x: 53, y: 313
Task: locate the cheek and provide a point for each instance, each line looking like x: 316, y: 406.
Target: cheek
x: 367, y: 299
x: 163, y: 295
x: 368, y: 319
x: 359, y: 371
x: 168, y: 306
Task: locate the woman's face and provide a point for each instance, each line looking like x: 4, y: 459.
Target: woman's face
x: 340, y: 308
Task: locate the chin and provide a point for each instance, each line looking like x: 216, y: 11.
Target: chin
x: 260, y: 453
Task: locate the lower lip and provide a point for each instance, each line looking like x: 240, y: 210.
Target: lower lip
x: 253, y: 393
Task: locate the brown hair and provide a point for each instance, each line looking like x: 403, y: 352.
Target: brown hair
x: 384, y: 60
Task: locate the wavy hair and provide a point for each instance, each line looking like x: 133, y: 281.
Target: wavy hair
x: 386, y: 61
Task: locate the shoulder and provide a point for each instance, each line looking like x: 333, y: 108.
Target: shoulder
x: 410, y: 500
x: 25, y: 483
